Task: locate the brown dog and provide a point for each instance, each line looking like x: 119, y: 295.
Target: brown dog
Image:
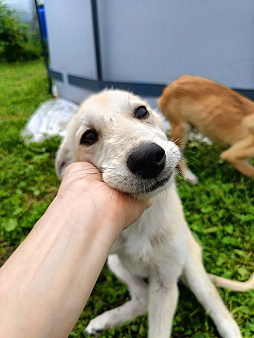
x: 217, y: 112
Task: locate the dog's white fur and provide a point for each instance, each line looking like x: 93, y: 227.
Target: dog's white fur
x: 159, y: 245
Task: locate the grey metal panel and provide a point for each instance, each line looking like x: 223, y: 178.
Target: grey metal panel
x: 97, y: 85
x: 152, y: 42
x: 156, y: 41
x: 73, y: 93
x: 70, y: 32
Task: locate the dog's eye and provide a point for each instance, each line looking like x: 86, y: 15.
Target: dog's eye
x: 89, y: 137
x: 141, y: 113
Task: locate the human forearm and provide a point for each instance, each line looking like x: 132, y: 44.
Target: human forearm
x: 54, y: 282
x: 46, y: 282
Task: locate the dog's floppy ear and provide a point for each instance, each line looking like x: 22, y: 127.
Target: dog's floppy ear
x: 63, y: 159
x: 67, y: 153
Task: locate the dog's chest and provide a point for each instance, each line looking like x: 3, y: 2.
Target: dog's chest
x: 158, y: 236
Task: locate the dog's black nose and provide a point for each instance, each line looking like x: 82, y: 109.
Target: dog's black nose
x: 147, y: 160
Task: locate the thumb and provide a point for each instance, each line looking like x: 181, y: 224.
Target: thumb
x: 135, y: 209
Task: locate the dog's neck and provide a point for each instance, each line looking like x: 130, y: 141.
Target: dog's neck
x: 162, y: 220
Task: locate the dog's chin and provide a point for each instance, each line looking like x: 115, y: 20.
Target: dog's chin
x: 154, y: 187
x: 138, y: 187
x: 144, y: 189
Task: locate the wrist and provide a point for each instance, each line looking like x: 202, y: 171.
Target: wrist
x: 93, y: 220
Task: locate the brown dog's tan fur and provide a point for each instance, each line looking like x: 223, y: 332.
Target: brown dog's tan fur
x: 217, y: 112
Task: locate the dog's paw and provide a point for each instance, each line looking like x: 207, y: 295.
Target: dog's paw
x: 105, y: 321
x: 95, y: 327
x: 231, y: 332
x: 190, y: 177
x: 92, y: 332
x: 228, y: 328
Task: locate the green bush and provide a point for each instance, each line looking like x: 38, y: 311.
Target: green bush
x: 16, y: 44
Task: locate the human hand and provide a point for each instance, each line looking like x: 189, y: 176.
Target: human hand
x: 82, y: 188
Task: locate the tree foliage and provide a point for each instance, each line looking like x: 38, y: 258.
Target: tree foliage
x: 16, y: 44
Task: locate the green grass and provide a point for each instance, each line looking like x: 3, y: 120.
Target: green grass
x: 220, y: 211
x: 27, y: 178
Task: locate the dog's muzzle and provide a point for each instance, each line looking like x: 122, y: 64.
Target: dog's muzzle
x: 147, y: 161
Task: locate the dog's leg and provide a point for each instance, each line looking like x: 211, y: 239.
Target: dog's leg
x: 179, y: 135
x: 197, y: 279
x: 180, y: 128
x: 130, y: 310
x: 186, y: 172
x: 163, y: 297
x: 239, y: 153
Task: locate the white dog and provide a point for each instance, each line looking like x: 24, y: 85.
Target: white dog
x: 124, y: 138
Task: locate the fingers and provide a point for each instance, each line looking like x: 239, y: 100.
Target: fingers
x: 134, y: 209
x: 80, y: 170
x: 148, y: 203
x: 141, y: 206
x: 83, y: 181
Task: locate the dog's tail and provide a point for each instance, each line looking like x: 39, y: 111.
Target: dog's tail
x: 233, y: 285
